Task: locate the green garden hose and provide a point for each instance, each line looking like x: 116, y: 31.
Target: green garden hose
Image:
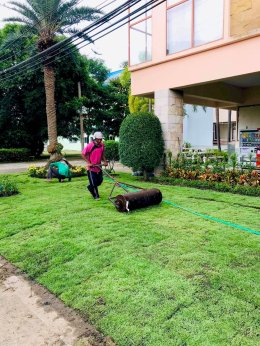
x: 231, y: 224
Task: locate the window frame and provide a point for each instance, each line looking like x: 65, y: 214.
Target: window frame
x: 169, y: 7
x: 133, y: 23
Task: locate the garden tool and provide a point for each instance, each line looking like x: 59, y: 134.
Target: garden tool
x: 136, y: 199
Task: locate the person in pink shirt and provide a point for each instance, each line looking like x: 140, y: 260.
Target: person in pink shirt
x: 94, y: 154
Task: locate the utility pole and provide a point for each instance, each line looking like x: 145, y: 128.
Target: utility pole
x: 81, y: 120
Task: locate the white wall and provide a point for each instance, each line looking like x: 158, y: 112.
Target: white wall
x: 198, y: 127
x: 249, y: 118
x: 69, y: 145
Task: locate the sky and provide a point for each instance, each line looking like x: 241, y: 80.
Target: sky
x: 113, y: 48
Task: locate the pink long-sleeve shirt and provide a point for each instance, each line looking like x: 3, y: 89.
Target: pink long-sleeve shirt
x: 94, y: 155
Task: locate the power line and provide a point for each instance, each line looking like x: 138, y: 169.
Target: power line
x: 51, y: 57
x: 103, y: 4
x: 68, y: 49
x: 111, y: 2
x: 28, y: 31
x: 72, y: 38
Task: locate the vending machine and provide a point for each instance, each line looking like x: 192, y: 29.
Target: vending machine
x: 249, y: 146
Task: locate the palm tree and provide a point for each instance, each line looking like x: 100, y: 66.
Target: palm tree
x: 45, y: 20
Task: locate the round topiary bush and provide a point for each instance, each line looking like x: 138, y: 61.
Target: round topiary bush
x: 141, y: 142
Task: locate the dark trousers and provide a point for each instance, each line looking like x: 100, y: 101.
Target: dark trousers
x: 54, y: 173
x: 95, y: 179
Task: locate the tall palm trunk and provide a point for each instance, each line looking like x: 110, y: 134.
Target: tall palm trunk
x: 49, y: 85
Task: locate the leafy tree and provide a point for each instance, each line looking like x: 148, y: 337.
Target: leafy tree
x: 22, y: 104
x: 105, y: 102
x: 45, y: 19
x: 141, y: 143
x: 135, y: 103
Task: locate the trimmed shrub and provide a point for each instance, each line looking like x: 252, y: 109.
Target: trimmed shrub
x: 7, y: 187
x: 141, y: 143
x: 11, y: 155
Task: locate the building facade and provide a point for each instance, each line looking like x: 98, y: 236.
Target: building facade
x: 202, y: 52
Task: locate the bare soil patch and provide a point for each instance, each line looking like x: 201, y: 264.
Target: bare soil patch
x: 30, y: 315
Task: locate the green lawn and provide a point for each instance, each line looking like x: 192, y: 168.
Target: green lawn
x: 159, y: 276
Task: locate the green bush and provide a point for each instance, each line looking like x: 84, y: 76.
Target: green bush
x: 15, y: 154
x: 112, y: 151
x: 7, y: 187
x: 141, y: 143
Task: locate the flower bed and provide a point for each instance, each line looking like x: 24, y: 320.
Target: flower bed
x: 230, y: 177
x: 41, y: 172
x: 228, y: 181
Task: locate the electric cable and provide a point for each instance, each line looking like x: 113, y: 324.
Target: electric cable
x: 74, y: 47
x: 2, y: 57
x: 46, y: 26
x: 69, y: 39
x: 144, y: 6
x: 111, y: 2
x: 71, y: 47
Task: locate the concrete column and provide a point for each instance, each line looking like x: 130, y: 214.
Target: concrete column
x: 168, y: 106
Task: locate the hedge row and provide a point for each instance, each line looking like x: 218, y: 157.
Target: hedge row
x: 15, y: 154
x: 222, y: 187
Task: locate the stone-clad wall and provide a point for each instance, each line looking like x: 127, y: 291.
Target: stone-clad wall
x: 245, y: 17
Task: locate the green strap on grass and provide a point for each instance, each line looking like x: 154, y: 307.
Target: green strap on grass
x: 213, y: 218
x: 199, y: 214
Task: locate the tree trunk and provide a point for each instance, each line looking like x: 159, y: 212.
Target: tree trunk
x: 145, y: 175
x: 218, y: 129
x: 49, y: 84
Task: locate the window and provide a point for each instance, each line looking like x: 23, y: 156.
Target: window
x: 191, y: 23
x: 138, y: 5
x: 140, y: 36
x: 179, y: 27
x: 141, y: 42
